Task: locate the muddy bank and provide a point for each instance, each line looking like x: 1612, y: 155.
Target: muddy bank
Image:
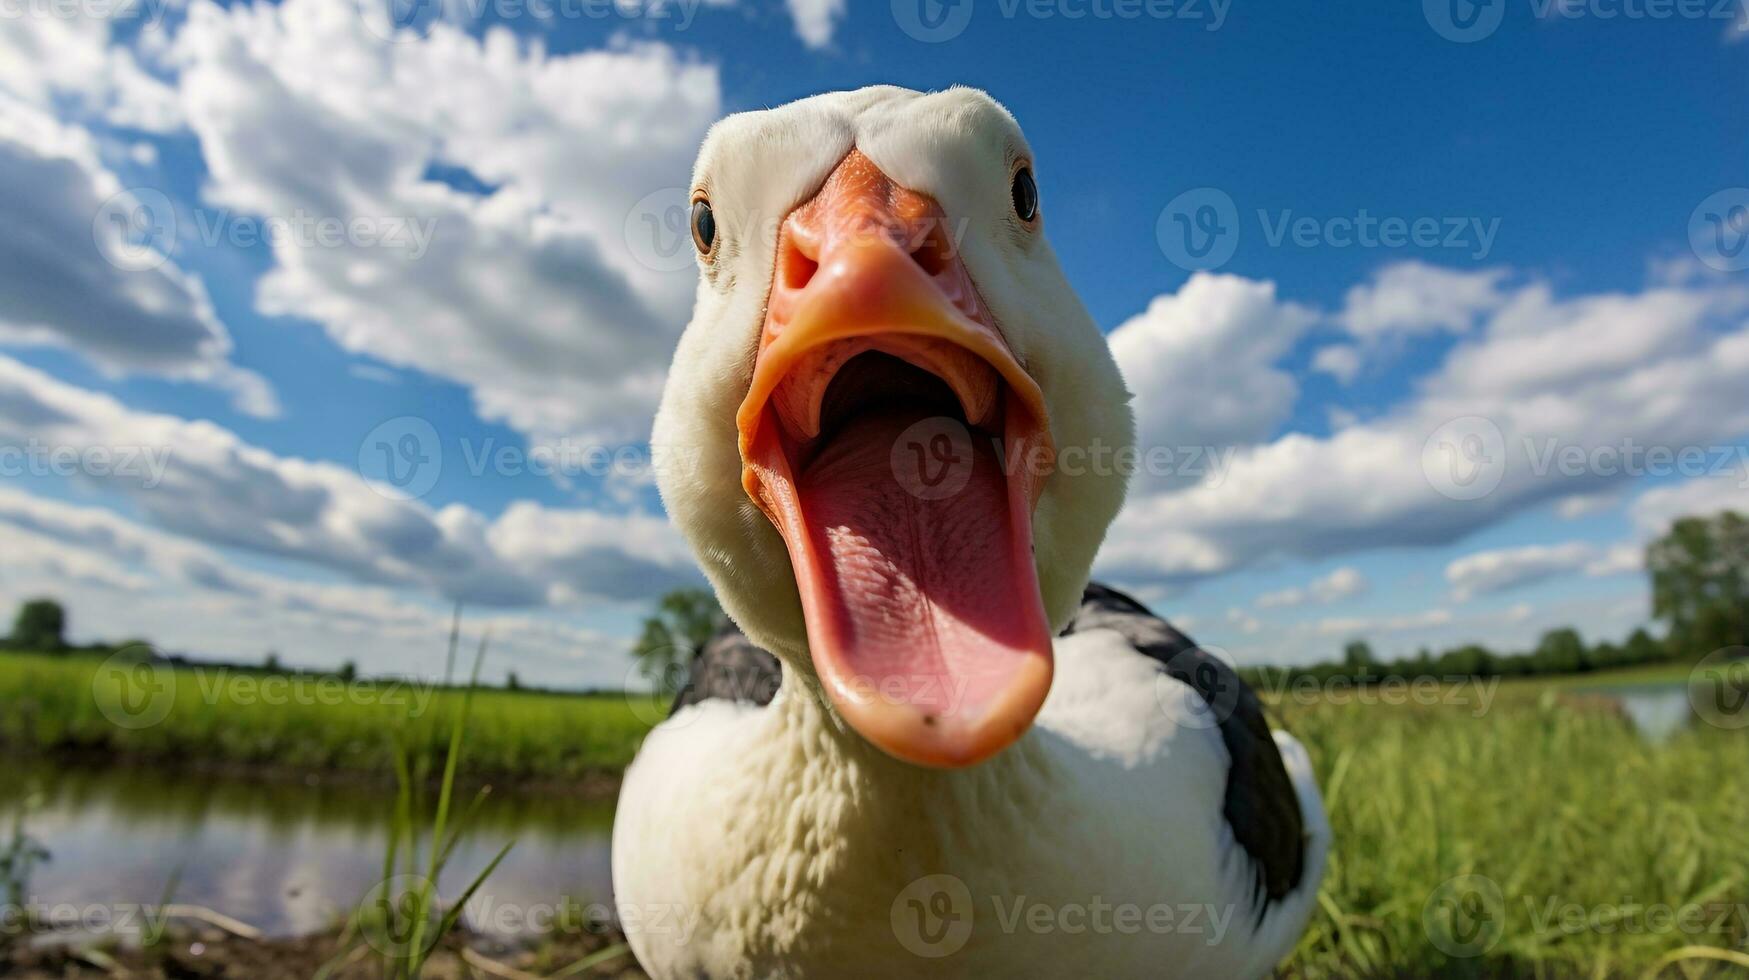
x: 211, y: 952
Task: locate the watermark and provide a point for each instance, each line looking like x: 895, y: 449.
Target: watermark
x: 1466, y: 458
x: 133, y: 688
x: 400, y: 916
x: 933, y: 917
x: 1718, y: 230
x: 1556, y: 915
x: 657, y: 230
x: 1200, y: 229
x: 1465, y: 916
x: 404, y: 453
x: 147, y: 12
x: 935, y: 21
x: 1469, y: 21
x: 940, y: 692
x: 34, y: 917
x: 1718, y: 688
x: 136, y: 687
x: 144, y: 465
x: 412, y: 20
x: 405, y: 456
x: 136, y: 230
x: 934, y: 458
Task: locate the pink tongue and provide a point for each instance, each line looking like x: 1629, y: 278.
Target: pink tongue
x: 918, y: 579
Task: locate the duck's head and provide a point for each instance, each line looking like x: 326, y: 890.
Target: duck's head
x: 891, y: 432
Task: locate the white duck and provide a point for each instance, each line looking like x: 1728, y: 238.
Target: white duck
x: 883, y: 435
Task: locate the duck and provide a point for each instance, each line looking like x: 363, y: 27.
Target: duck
x: 928, y: 745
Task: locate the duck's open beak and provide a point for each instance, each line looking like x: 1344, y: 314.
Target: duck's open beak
x: 900, y: 448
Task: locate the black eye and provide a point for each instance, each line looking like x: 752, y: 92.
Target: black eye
x: 704, y: 226
x: 1025, y: 194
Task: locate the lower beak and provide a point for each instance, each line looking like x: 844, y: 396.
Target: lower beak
x: 899, y: 448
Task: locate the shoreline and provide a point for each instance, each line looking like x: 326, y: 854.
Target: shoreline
x: 591, y: 786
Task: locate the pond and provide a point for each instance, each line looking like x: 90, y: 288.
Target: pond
x: 1660, y: 710
x: 286, y: 858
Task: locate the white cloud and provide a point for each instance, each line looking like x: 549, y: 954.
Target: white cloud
x: 1585, y: 504
x: 71, y: 278
x: 1343, y: 583
x: 1367, y: 625
x: 51, y: 57
x: 530, y: 295
x: 1655, y: 510
x: 1486, y: 572
x: 1202, y: 362
x: 1413, y: 298
x: 203, y: 482
x: 815, y: 20
x: 1340, y: 361
x: 120, y: 580
x: 1661, y: 367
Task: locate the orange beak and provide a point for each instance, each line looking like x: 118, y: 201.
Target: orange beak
x: 900, y: 448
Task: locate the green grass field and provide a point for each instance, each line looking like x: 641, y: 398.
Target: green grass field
x: 1543, y: 838
x: 228, y: 717
x: 1540, y: 837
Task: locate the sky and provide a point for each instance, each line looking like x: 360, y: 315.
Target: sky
x: 317, y: 317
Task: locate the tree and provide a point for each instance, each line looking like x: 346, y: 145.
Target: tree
x: 348, y: 671
x: 41, y: 625
x: 1358, y: 657
x: 684, y: 621
x: 1562, y: 651
x: 512, y: 682
x: 271, y: 664
x: 1700, y: 583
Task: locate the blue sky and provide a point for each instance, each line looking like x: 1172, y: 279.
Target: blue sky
x: 1563, y: 154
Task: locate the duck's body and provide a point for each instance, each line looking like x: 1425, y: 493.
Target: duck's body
x: 977, y: 764
x: 766, y: 840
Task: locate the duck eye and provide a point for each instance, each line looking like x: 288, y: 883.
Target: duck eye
x: 704, y: 226
x: 1025, y: 194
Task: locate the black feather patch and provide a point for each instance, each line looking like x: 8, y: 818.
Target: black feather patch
x: 732, y: 668
x: 1261, y: 805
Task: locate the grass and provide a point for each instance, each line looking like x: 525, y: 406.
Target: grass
x: 224, y: 717
x: 1544, y: 830
x: 1578, y: 848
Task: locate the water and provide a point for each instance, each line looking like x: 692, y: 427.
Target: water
x: 1658, y: 711
x: 286, y: 858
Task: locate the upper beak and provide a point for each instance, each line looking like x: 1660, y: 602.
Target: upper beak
x: 938, y: 651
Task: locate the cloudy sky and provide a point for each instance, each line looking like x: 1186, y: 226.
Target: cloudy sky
x: 319, y: 316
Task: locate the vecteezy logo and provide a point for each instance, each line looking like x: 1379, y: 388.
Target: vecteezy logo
x: 657, y: 230
x: 400, y: 20
x: 1464, y: 21
x: 1465, y: 459
x: 1718, y: 230
x: 1465, y: 916
x: 399, y: 917
x: 403, y: 453
x: 1718, y: 688
x: 1194, y: 691
x: 135, y: 229
x: 933, y: 459
x: 132, y: 689
x: 1198, y: 229
x: 932, y: 21
x: 932, y: 916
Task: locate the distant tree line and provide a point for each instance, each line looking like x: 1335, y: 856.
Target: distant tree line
x: 1700, y: 590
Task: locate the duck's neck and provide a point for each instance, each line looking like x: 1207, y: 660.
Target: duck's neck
x: 855, y: 817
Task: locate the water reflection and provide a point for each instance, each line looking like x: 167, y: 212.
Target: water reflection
x: 283, y: 857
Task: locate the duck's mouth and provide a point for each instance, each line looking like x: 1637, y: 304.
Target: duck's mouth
x: 899, y: 448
